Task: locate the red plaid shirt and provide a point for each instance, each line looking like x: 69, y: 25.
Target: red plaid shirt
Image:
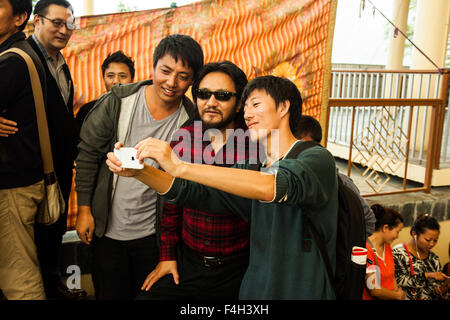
x: 208, y: 233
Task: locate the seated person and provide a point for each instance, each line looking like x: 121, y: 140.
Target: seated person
x: 417, y: 268
x: 380, y: 279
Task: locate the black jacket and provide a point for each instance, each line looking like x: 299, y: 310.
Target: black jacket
x: 20, y: 155
x: 82, y: 113
x: 61, y: 125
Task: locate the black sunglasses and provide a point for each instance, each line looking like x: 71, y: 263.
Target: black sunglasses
x: 220, y: 95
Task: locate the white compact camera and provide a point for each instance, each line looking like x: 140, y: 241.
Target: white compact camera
x: 128, y: 158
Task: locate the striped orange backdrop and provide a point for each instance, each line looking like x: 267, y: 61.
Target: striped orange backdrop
x: 281, y: 37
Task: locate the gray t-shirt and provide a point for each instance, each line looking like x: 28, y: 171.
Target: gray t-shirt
x: 133, y: 208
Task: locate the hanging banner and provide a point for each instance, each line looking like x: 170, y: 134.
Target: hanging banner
x: 286, y: 38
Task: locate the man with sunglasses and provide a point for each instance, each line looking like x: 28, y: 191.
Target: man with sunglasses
x: 203, y: 255
x: 53, y: 22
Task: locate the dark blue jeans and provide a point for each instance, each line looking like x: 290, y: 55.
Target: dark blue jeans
x: 120, y: 267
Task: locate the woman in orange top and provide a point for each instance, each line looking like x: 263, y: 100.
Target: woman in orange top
x: 380, y: 267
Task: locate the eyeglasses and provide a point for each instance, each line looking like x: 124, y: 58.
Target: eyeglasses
x: 220, y: 95
x: 58, y: 23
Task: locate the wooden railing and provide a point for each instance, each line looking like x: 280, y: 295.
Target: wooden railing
x: 384, y: 144
x: 402, y: 85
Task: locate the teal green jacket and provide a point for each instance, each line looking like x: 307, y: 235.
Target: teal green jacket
x: 278, y: 267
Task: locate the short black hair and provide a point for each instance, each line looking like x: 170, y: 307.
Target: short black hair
x: 424, y: 221
x: 281, y: 90
x: 386, y: 216
x: 234, y: 72
x: 119, y: 57
x: 41, y: 7
x: 183, y: 47
x: 308, y: 126
x: 21, y: 6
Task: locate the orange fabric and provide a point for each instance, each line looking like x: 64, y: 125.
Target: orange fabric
x: 281, y: 37
x: 387, y: 269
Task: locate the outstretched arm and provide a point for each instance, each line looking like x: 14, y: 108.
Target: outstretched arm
x: 248, y: 184
x: 244, y: 183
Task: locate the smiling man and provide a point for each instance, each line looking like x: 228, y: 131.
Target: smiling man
x: 122, y: 212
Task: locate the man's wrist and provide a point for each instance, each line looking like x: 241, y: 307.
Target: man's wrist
x: 84, y: 210
x: 181, y: 170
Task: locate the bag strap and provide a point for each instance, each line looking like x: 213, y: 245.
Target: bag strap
x: 308, y: 226
x: 374, y: 251
x: 323, y: 251
x: 410, y: 260
x: 41, y: 117
x: 300, y: 147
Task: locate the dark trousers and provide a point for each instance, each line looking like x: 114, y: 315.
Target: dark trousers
x: 199, y: 281
x: 121, y: 267
x: 48, y: 240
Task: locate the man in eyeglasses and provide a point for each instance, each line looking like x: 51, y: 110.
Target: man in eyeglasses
x: 204, y: 255
x: 53, y: 23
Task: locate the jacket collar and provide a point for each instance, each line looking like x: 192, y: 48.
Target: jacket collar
x: 18, y: 36
x: 124, y: 90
